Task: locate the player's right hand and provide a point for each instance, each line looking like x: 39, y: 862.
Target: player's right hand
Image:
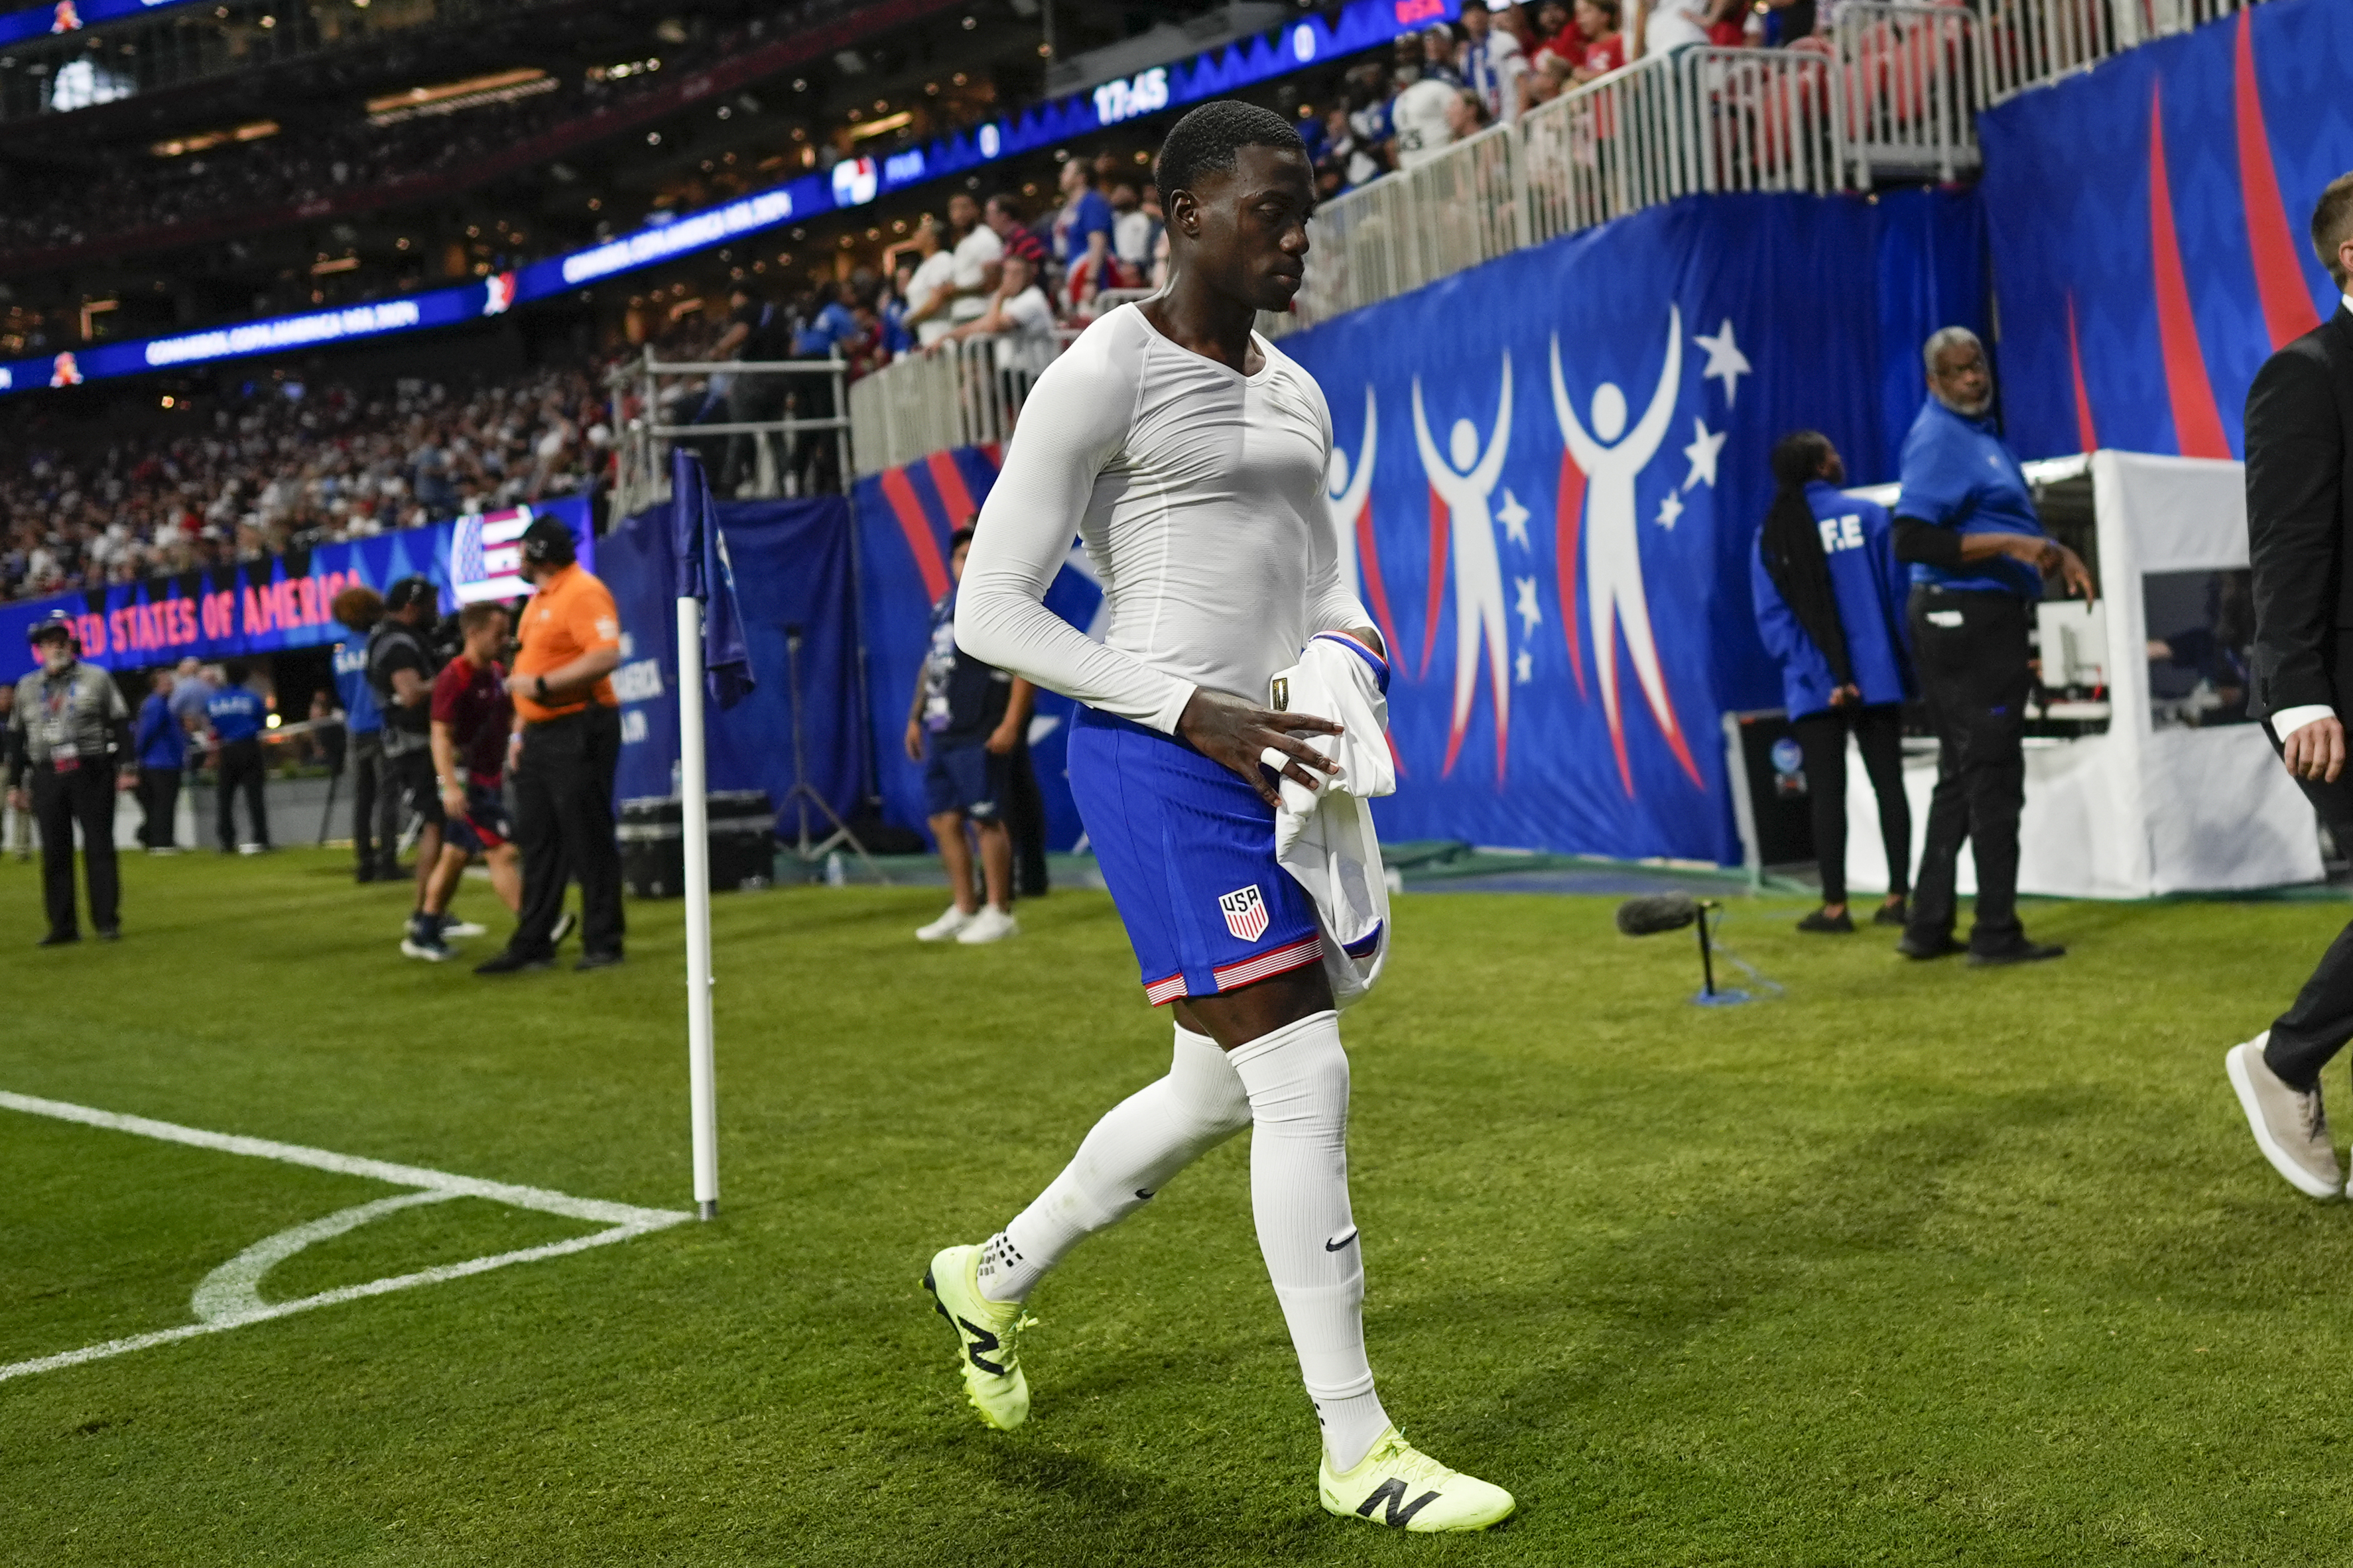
x: 1232, y: 731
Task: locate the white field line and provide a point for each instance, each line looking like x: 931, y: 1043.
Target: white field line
x: 229, y: 1297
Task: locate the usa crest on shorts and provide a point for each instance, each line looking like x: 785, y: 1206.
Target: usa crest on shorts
x: 1245, y: 913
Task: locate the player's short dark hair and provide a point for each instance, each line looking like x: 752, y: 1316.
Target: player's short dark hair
x: 1007, y: 203
x: 960, y: 538
x: 477, y: 615
x: 2332, y: 224
x: 1207, y: 139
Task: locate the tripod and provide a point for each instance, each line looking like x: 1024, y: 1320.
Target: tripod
x: 804, y: 794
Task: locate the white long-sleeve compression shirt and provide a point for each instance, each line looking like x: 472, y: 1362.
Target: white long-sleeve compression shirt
x: 1198, y: 494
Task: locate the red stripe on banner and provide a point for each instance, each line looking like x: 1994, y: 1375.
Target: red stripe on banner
x: 2196, y: 422
x: 2084, y: 430
x: 1675, y: 740
x: 1397, y: 758
x: 1455, y: 730
x: 1438, y: 519
x: 1368, y: 558
x: 920, y: 544
x: 954, y: 495
x: 2279, y: 280
x: 1569, y: 513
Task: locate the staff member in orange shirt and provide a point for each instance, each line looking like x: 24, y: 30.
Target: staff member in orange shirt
x: 567, y: 742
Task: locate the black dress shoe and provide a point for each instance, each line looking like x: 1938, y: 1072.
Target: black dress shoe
x: 1927, y: 947
x: 510, y: 962
x: 598, y: 960
x: 2020, y: 952
x: 1895, y: 914
x: 1840, y: 924
x: 60, y: 939
x: 364, y: 874
x: 110, y: 934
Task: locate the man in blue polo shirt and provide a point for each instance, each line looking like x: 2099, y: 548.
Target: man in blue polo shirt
x: 236, y: 715
x: 375, y: 803
x: 161, y: 748
x: 1965, y: 521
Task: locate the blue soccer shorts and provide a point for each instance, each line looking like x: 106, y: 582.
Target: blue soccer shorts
x: 966, y: 776
x: 484, y: 826
x: 1187, y: 851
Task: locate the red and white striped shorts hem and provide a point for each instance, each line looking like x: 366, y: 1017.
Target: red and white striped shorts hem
x: 1228, y: 976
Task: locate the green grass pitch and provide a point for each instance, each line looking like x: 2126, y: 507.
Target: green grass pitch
x: 1912, y: 1265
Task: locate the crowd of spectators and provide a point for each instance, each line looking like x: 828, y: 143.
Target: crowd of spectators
x: 290, y: 465
x: 1450, y: 81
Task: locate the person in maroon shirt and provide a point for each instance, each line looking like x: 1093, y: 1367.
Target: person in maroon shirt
x: 473, y: 723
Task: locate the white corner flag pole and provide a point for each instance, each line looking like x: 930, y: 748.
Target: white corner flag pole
x: 694, y: 827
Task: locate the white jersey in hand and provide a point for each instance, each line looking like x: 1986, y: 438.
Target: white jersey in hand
x: 1198, y: 494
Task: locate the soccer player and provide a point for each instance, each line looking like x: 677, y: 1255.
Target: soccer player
x: 1188, y: 454
x: 473, y: 721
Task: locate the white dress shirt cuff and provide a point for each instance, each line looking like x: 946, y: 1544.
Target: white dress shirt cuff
x: 2288, y: 720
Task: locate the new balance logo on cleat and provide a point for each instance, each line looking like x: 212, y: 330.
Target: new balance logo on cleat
x: 1392, y: 1492
x: 980, y: 1340
x: 1245, y: 914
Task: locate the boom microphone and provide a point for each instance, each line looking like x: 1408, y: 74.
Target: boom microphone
x: 1656, y: 913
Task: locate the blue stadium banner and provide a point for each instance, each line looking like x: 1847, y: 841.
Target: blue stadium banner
x: 1548, y: 473
x: 279, y: 603
x: 2148, y: 224
x: 792, y: 567
x: 905, y: 518
x: 1358, y: 26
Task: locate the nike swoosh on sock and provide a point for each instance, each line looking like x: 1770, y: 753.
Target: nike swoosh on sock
x: 1338, y: 1242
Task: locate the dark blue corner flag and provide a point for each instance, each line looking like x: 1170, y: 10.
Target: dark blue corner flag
x: 705, y: 574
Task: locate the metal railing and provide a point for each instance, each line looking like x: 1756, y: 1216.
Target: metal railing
x: 1909, y: 79
x: 2023, y: 44
x: 760, y: 455
x: 956, y: 393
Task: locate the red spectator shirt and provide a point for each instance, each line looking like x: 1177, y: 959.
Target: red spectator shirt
x: 1607, y: 53
x: 473, y: 702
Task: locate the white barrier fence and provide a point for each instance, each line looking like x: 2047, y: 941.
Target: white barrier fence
x: 2027, y: 43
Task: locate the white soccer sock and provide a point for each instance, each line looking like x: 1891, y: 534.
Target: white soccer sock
x: 1297, y: 1078
x: 1145, y: 1140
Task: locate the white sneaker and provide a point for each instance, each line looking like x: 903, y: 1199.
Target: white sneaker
x: 462, y: 929
x: 2289, y: 1125
x: 946, y: 926
x: 992, y: 924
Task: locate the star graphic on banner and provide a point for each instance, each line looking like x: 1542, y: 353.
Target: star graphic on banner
x: 1669, y: 511
x: 1514, y: 518
x: 1523, y: 668
x: 1530, y: 613
x: 1702, y: 452
x: 1725, y: 363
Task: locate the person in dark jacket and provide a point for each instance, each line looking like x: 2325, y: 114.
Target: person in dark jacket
x: 68, y: 751
x: 162, y: 747
x: 1830, y: 606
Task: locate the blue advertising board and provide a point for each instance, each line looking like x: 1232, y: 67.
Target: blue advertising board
x: 283, y: 602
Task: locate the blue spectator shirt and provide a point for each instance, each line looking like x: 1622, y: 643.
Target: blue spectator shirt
x: 361, y: 715
x: 236, y: 714
x: 1957, y: 474
x: 1088, y: 214
x: 1867, y: 581
x: 830, y: 326
x: 157, y: 739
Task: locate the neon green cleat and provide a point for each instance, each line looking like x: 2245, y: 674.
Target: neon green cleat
x: 1398, y: 1485
x: 986, y: 1332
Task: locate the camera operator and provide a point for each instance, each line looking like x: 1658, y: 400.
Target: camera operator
x: 400, y: 677
x: 1966, y: 521
x: 66, y: 722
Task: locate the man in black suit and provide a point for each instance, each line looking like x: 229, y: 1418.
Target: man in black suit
x: 2299, y: 535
